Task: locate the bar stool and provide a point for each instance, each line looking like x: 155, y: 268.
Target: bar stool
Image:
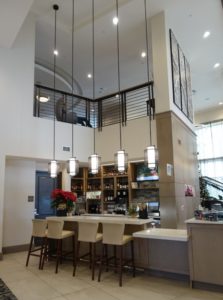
x: 38, y: 231
x: 56, y: 232
x: 113, y: 234
x: 88, y: 232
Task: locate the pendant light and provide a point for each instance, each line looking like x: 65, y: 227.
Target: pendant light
x: 72, y: 163
x: 150, y: 153
x: 53, y: 166
x: 121, y: 158
x: 94, y: 161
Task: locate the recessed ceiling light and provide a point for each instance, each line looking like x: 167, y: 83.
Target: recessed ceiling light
x: 115, y: 20
x: 143, y: 54
x: 206, y: 34
x: 55, y: 52
x: 92, y: 110
x: 44, y: 99
x: 220, y: 103
x: 116, y: 96
x: 217, y: 65
x: 89, y: 75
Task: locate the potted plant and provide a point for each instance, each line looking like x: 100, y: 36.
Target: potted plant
x: 63, y: 201
x: 132, y: 211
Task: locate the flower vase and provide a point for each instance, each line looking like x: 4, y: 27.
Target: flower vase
x: 61, y: 212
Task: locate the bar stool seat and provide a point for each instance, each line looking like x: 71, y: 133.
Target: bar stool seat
x: 56, y: 232
x: 38, y: 231
x: 88, y: 232
x: 113, y: 234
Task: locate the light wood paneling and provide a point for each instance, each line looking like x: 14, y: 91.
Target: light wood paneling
x: 177, y: 146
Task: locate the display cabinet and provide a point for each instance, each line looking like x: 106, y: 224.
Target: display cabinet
x: 78, y: 186
x: 144, y: 187
x: 109, y: 191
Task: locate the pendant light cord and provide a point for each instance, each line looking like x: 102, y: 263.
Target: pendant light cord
x: 72, y: 78
x: 147, y: 65
x: 93, y: 68
x: 55, y: 7
x: 119, y: 88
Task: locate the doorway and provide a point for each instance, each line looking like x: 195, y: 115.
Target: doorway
x: 44, y: 186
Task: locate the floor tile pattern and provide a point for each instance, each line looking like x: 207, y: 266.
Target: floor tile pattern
x: 30, y: 283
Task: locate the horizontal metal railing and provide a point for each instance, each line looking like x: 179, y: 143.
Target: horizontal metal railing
x: 135, y: 102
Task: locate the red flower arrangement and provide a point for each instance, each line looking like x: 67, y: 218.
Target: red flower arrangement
x: 63, y: 200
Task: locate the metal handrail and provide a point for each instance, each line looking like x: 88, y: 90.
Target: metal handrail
x: 136, y: 102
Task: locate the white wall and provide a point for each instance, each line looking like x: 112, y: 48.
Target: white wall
x: 23, y: 135
x: 160, y: 25
x: 18, y: 212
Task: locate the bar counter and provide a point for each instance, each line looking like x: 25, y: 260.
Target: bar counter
x: 105, y: 218
x: 205, y: 253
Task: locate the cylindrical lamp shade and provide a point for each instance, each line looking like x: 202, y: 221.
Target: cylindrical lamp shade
x: 73, y: 166
x: 53, y: 168
x: 121, y: 161
x: 94, y: 162
x: 151, y: 157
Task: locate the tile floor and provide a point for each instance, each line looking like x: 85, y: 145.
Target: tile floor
x: 33, y: 284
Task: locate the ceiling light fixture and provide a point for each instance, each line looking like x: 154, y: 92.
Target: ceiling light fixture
x: 220, y: 103
x: 143, y: 54
x: 55, y: 52
x: 72, y: 163
x: 150, y: 153
x: 121, y: 158
x: 217, y: 65
x: 115, y: 20
x: 53, y: 165
x: 43, y: 98
x: 206, y: 34
x: 94, y: 160
x: 89, y: 75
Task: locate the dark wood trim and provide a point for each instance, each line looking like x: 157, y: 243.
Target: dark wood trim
x: 13, y: 249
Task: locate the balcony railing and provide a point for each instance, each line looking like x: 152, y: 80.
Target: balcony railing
x: 136, y: 102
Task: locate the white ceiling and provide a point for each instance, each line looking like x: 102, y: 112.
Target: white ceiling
x: 12, y: 10
x: 189, y: 19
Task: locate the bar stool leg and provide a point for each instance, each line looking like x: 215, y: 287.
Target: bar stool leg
x: 74, y: 249
x: 76, y: 258
x: 106, y: 256
x: 133, y: 259
x: 120, y: 265
x: 93, y: 259
x: 100, y: 262
x: 41, y: 253
x: 44, y: 252
x: 58, y: 254
x: 90, y: 255
x: 115, y: 258
x: 30, y: 248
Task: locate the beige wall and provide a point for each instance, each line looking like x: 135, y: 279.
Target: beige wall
x: 177, y: 146
x: 210, y: 115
